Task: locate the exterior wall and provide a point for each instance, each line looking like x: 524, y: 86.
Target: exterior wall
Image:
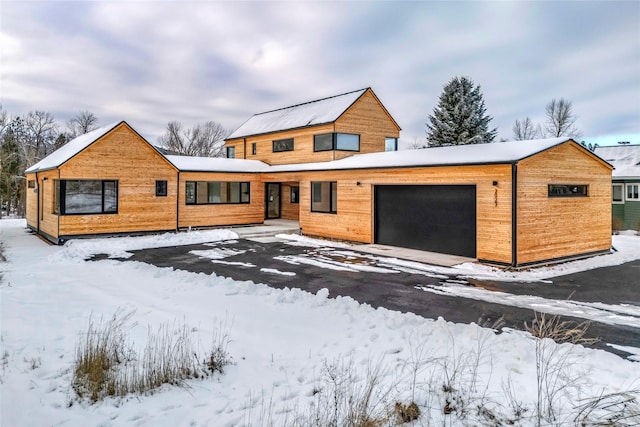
x: 627, y: 215
x: 556, y: 227
x: 124, y: 156
x: 45, y: 219
x: 221, y: 214
x: 288, y: 210
x: 366, y: 117
x: 354, y: 218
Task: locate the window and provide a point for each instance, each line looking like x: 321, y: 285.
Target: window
x: 231, y: 152
x: 324, y: 197
x: 617, y: 193
x: 391, y: 144
x: 283, y: 145
x: 161, y: 188
x: 31, y: 183
x: 633, y: 192
x: 76, y: 197
x: 254, y: 148
x: 567, y: 190
x: 216, y: 192
x: 336, y: 141
x: 295, y: 194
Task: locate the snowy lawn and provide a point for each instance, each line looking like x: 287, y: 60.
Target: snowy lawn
x: 294, y: 354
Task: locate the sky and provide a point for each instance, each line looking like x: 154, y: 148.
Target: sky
x: 151, y: 62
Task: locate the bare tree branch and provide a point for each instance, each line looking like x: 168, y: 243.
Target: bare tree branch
x: 561, y: 119
x: 202, y: 140
x: 524, y: 130
x: 81, y: 123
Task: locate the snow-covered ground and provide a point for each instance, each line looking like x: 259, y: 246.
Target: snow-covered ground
x: 284, y: 343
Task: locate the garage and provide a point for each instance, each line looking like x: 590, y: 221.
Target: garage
x: 435, y: 218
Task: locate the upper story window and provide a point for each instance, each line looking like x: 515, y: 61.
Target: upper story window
x: 391, y: 144
x: 231, y: 152
x: 78, y: 197
x: 283, y: 145
x: 568, y: 190
x: 336, y: 141
x: 633, y: 191
x: 31, y: 183
x: 216, y: 192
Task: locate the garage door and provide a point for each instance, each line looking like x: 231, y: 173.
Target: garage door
x: 435, y: 218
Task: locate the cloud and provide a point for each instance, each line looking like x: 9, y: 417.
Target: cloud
x: 153, y: 62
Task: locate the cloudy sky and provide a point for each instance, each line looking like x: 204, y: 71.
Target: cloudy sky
x: 150, y: 62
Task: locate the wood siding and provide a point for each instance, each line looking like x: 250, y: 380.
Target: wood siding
x: 556, y: 227
x: 354, y: 217
x: 288, y: 210
x: 366, y: 117
x: 221, y: 214
x: 124, y: 156
x: 43, y: 220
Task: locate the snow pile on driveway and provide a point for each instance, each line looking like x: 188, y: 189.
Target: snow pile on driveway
x: 283, y: 343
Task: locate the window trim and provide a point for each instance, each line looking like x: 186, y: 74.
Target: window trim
x: 570, y: 193
x: 60, y: 197
x: 316, y: 197
x: 283, y: 145
x: 626, y: 193
x: 334, y: 142
x: 162, y: 190
x: 622, y: 192
x: 243, y: 185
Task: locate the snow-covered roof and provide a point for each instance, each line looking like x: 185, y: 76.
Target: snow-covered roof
x: 625, y: 159
x: 71, y: 148
x: 321, y: 111
x: 495, y: 152
x: 216, y: 164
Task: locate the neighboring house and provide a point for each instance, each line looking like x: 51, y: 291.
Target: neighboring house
x: 625, y: 190
x: 327, y: 129
x: 508, y: 203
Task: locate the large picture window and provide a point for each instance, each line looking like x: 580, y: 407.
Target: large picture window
x: 336, y: 141
x: 568, y: 190
x: 283, y: 145
x: 216, y: 192
x: 324, y: 197
x: 79, y: 197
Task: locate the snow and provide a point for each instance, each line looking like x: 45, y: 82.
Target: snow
x: 495, y: 152
x: 216, y: 164
x: 625, y: 159
x: 326, y: 110
x: 280, y: 341
x: 71, y: 148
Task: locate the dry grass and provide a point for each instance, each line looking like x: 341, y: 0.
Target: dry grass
x: 560, y: 331
x: 106, y: 365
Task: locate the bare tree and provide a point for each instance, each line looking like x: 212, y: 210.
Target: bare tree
x: 524, y: 130
x: 561, y: 119
x: 203, y: 140
x: 83, y: 122
x: 418, y: 143
x: 42, y: 131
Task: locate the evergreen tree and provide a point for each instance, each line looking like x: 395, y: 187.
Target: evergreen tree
x: 460, y: 117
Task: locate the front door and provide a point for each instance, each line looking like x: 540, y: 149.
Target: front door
x: 272, y: 202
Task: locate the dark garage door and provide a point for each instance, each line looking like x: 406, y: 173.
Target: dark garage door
x: 435, y: 218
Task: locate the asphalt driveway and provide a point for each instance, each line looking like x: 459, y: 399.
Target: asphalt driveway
x: 370, y: 280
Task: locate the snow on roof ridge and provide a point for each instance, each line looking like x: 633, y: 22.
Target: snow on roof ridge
x: 312, y: 113
x: 72, y: 148
x: 215, y: 164
x: 311, y: 102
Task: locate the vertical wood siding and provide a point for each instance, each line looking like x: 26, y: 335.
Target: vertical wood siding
x: 555, y: 227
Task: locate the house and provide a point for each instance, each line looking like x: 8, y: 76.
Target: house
x: 507, y: 203
x: 625, y: 187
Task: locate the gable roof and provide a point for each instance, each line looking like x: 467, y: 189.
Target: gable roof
x: 71, y: 148
x: 318, y: 112
x: 625, y: 159
x: 474, y: 154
